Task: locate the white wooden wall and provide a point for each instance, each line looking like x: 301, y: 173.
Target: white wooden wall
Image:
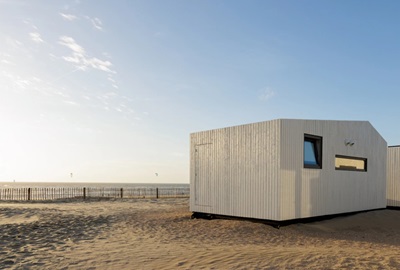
x: 393, y: 176
x: 314, y: 192
x: 241, y: 165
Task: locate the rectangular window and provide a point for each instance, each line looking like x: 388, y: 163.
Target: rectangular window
x: 350, y: 163
x: 312, y: 151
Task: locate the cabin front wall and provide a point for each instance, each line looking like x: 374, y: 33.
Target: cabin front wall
x: 234, y: 171
x: 308, y: 192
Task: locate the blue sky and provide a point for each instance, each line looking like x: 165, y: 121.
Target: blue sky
x: 111, y: 90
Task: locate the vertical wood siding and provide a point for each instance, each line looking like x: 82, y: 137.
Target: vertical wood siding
x: 242, y: 165
x: 256, y: 170
x: 314, y: 192
x: 393, y: 176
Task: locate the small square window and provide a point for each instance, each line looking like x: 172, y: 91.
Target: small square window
x: 312, y: 151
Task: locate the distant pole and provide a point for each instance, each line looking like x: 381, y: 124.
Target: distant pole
x: 157, y: 193
x: 29, y: 194
x: 84, y: 193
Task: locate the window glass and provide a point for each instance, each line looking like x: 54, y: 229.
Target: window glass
x: 350, y: 163
x: 312, y: 151
x: 309, y: 153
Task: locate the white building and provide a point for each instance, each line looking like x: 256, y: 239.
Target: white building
x: 287, y: 169
x: 393, y: 176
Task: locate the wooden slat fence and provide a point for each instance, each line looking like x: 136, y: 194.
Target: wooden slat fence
x: 57, y: 193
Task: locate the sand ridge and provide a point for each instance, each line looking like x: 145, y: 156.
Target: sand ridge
x: 159, y: 234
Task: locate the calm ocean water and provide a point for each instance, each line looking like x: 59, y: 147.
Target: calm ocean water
x: 98, y: 185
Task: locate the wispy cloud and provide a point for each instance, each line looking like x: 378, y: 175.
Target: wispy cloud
x: 6, y: 59
x: 99, y: 64
x: 80, y: 58
x: 70, y: 43
x: 14, y: 43
x: 68, y: 17
x: 266, y: 94
x: 35, y: 36
x: 25, y: 84
x: 96, y: 22
x: 71, y: 103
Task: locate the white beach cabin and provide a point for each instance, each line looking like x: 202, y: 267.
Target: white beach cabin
x: 288, y: 169
x: 393, y: 176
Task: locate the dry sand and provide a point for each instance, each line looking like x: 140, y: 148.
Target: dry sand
x: 159, y: 234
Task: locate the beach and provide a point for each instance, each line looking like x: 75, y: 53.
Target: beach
x: 159, y: 234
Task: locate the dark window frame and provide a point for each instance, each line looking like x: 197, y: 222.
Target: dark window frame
x: 352, y: 168
x: 317, y: 145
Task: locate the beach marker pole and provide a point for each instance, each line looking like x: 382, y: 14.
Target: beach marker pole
x: 122, y: 193
x: 84, y: 193
x: 29, y: 194
x: 157, y: 193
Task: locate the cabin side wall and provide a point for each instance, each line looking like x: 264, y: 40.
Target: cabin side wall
x: 307, y: 192
x: 393, y: 177
x: 234, y: 171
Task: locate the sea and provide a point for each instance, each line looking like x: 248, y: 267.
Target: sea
x: 89, y: 184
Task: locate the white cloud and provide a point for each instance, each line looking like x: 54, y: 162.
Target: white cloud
x: 98, y: 64
x: 29, y: 23
x: 68, y: 17
x: 5, y: 61
x: 70, y: 43
x: 35, y: 36
x: 96, y: 22
x: 62, y: 94
x: 111, y: 80
x: 266, y: 94
x: 14, y: 43
x: 80, y: 58
x: 36, y: 79
x: 70, y: 102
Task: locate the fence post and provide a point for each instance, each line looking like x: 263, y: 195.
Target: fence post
x: 29, y: 194
x: 84, y: 193
x: 122, y: 193
x: 157, y: 193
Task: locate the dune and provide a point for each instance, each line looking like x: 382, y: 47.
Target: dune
x: 159, y: 234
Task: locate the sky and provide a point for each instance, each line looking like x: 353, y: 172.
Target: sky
x: 109, y: 91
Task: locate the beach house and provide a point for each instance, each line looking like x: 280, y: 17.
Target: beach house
x: 393, y: 176
x: 288, y: 169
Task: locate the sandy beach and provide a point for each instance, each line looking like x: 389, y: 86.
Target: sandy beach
x: 159, y: 234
